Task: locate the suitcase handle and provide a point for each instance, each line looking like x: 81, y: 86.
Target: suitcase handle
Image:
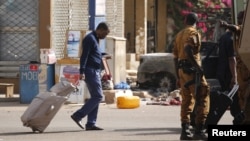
x: 233, y: 90
x: 231, y: 93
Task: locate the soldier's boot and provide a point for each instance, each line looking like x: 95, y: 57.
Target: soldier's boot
x: 185, y: 132
x: 200, y: 133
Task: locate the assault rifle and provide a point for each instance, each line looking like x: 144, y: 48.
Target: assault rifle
x: 196, y: 81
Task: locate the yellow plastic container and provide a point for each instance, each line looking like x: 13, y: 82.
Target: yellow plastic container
x: 127, y: 102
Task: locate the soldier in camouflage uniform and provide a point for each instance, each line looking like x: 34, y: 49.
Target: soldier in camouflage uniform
x: 187, y: 59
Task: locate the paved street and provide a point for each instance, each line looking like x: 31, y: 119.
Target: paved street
x: 146, y: 123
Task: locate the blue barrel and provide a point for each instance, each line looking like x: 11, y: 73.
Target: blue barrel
x: 28, y: 81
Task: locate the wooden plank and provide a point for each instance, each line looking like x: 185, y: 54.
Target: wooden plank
x: 6, y: 84
x: 9, y: 75
x: 12, y: 63
x: 9, y: 69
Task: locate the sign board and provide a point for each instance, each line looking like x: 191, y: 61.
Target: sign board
x: 33, y: 79
x: 73, y: 45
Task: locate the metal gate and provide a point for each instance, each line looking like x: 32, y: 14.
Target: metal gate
x: 19, y: 30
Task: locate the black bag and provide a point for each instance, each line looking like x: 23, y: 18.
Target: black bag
x: 221, y: 103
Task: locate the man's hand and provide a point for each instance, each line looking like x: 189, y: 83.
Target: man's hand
x: 223, y: 23
x: 82, y: 77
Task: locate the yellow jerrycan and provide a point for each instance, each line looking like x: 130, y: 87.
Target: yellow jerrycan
x: 128, y: 102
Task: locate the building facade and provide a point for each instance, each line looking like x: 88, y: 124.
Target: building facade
x: 27, y: 26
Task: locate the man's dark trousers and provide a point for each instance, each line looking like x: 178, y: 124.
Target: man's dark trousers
x: 90, y: 108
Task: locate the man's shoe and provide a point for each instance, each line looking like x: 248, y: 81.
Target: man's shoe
x: 186, y: 135
x: 200, y: 136
x: 200, y: 133
x: 78, y: 122
x: 185, y: 132
x: 93, y: 128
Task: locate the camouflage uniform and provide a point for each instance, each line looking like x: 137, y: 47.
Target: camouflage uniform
x: 243, y: 76
x: 192, y: 37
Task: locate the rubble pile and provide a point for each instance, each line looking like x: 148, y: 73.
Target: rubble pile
x: 166, y: 99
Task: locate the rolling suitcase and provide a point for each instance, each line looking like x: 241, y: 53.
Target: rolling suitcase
x: 44, y: 107
x: 222, y: 101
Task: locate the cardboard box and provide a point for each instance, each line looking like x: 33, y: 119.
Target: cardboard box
x: 47, y: 56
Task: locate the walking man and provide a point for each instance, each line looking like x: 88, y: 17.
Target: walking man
x: 90, y: 70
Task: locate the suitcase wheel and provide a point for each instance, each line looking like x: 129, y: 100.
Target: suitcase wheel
x: 35, y: 129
